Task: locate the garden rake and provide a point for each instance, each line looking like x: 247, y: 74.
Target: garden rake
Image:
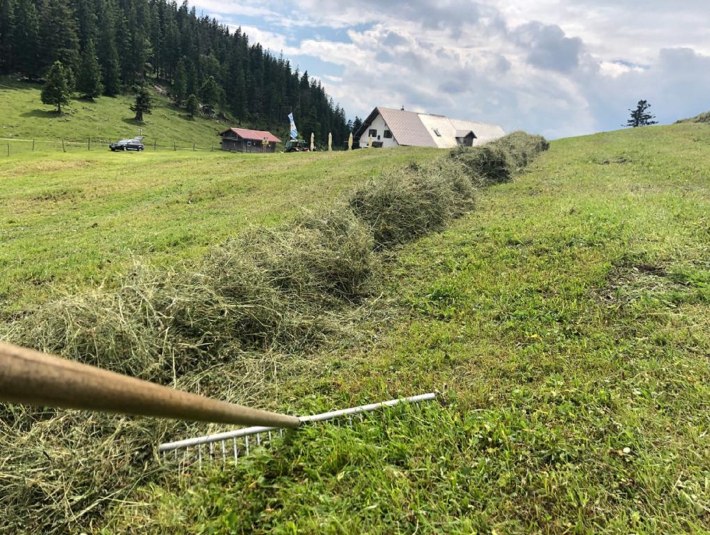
x: 35, y: 378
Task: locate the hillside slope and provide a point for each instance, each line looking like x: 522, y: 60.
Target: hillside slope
x: 106, y: 119
x: 566, y: 322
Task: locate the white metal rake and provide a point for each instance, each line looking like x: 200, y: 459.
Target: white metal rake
x: 233, y: 444
x: 35, y: 378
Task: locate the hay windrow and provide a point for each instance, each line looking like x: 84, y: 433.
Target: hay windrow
x: 224, y: 325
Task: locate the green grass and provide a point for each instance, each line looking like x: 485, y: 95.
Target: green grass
x: 77, y: 219
x: 566, y: 324
x: 106, y: 119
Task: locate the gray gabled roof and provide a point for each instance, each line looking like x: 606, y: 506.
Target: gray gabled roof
x: 429, y: 130
x: 407, y: 127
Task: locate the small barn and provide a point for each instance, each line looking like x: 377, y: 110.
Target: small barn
x: 387, y: 127
x: 245, y: 140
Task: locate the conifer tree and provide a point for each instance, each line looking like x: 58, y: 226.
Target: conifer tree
x: 639, y: 117
x: 180, y: 83
x: 7, y: 30
x: 56, y: 90
x: 143, y: 104
x: 88, y: 81
x: 59, y: 39
x: 210, y: 94
x: 192, y: 105
x: 26, y: 36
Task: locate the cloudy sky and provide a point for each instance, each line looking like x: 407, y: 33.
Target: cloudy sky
x: 555, y: 67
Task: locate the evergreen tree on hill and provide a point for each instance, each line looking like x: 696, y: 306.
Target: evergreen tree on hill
x: 88, y: 81
x: 180, y: 83
x: 210, y: 94
x: 143, y: 104
x: 26, y: 36
x: 56, y: 90
x: 192, y: 106
x: 640, y: 117
x: 59, y: 40
x: 7, y: 27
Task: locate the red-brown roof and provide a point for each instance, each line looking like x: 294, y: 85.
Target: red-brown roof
x: 253, y: 135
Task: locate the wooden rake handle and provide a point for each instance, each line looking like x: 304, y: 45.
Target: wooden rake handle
x: 35, y: 378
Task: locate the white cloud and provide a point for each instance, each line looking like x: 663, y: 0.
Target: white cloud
x: 558, y: 68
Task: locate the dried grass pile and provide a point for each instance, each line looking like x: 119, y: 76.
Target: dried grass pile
x: 412, y: 202
x: 497, y: 162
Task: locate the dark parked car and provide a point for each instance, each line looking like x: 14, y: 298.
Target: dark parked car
x: 128, y: 144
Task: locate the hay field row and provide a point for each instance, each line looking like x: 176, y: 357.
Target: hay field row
x: 77, y: 220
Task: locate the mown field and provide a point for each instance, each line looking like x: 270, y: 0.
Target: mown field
x: 76, y: 220
x: 564, y: 322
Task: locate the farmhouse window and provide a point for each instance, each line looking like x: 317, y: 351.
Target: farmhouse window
x: 436, y: 131
x: 388, y: 134
x: 372, y: 132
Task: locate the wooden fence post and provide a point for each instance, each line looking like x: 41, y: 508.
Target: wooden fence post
x: 33, y: 145
x: 63, y: 148
x: 88, y: 144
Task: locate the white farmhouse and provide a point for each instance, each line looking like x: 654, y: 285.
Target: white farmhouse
x: 387, y: 127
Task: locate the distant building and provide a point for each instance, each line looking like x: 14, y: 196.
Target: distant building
x: 244, y: 140
x: 387, y: 127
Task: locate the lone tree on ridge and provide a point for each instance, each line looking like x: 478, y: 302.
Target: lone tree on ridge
x: 640, y: 117
x: 57, y: 89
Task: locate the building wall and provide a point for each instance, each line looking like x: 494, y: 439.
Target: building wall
x: 380, y: 126
x: 243, y: 145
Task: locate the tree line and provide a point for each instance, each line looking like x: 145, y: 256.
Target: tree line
x: 107, y: 47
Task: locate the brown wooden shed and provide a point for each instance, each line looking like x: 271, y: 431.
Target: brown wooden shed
x: 245, y: 140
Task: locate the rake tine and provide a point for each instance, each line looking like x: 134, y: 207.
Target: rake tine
x: 361, y: 413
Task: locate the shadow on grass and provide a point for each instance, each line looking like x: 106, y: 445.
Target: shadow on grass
x: 133, y: 122
x: 44, y: 114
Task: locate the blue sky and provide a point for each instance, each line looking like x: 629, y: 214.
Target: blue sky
x: 554, y: 67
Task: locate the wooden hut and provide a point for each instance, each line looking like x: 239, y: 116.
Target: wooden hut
x: 244, y: 140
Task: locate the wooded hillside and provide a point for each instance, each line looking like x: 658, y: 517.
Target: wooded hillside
x: 135, y: 40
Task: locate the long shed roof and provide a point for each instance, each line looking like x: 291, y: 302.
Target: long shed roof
x: 253, y: 135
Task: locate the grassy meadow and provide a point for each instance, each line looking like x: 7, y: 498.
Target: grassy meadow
x: 77, y: 219
x: 566, y: 325
x: 564, y: 322
x: 107, y: 119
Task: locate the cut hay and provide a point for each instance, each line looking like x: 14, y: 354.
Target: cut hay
x: 412, y: 202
